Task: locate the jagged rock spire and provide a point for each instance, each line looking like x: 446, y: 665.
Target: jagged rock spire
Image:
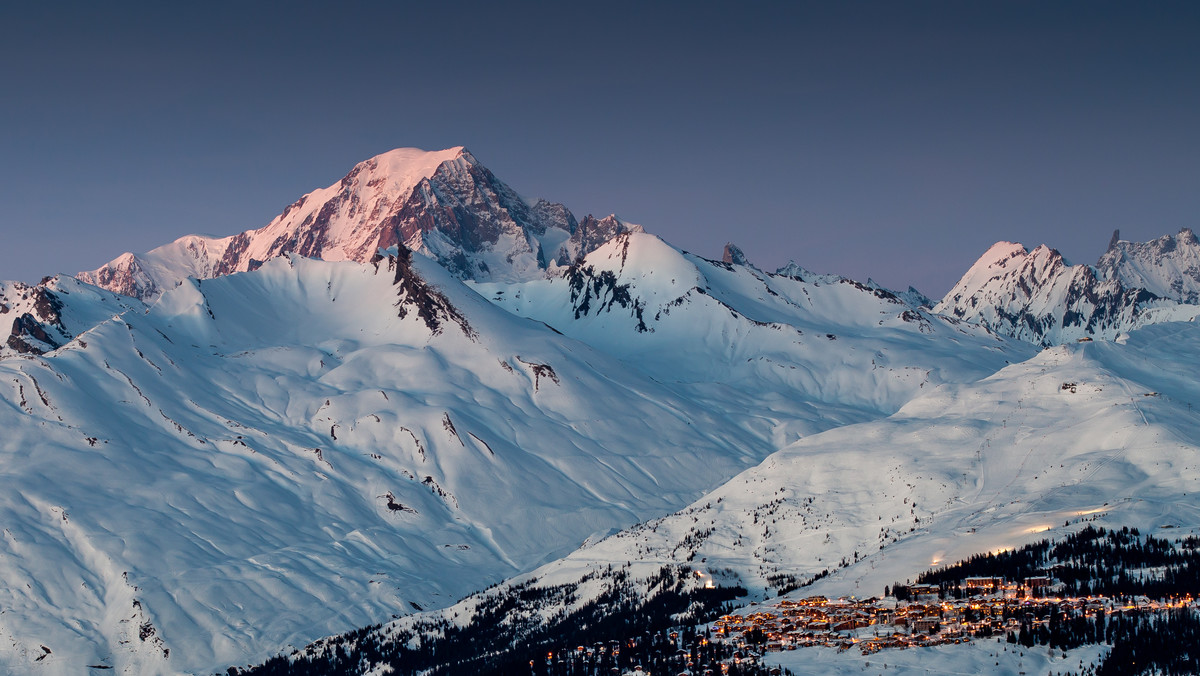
x: 734, y: 255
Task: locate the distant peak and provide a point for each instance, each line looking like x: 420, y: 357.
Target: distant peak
x: 734, y: 255
x: 793, y: 270
x: 1112, y: 243
x: 1001, y: 252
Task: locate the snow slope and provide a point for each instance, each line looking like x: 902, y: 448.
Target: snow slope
x: 963, y: 469
x: 1079, y: 434
x: 269, y: 457
x: 272, y: 456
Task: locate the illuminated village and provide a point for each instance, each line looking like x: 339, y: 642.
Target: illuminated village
x: 1024, y: 612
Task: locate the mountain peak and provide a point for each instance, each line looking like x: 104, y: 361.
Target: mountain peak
x: 1168, y: 266
x: 1001, y: 252
x: 1041, y: 297
x: 405, y: 167
x: 443, y: 204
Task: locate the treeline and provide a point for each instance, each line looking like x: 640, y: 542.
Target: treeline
x: 1091, y: 562
x: 509, y: 633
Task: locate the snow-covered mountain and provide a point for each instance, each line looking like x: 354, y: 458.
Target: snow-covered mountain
x: 267, y: 457
x: 1040, y: 297
x: 1168, y: 267
x: 286, y: 434
x: 444, y: 204
x: 687, y: 319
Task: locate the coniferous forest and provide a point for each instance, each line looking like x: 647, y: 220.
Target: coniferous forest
x: 649, y: 623
x: 1092, y: 562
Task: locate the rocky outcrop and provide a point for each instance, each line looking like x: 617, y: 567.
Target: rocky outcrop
x: 734, y: 256
x: 589, y: 234
x: 49, y: 314
x: 416, y: 295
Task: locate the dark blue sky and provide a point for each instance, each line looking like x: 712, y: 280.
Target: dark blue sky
x: 887, y: 140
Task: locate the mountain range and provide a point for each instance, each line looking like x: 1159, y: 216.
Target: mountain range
x: 416, y: 384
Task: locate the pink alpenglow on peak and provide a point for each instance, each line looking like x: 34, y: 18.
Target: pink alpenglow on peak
x: 443, y: 204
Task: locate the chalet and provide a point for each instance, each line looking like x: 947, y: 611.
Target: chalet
x: 983, y: 582
x: 925, y: 625
x: 849, y: 624
x: 923, y: 592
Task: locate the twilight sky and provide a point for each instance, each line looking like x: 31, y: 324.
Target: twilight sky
x: 870, y: 139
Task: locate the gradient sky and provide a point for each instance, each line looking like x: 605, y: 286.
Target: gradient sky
x: 891, y: 140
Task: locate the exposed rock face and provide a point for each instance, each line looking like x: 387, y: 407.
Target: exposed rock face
x: 1168, y: 267
x: 124, y: 276
x: 1039, y: 297
x: 444, y: 204
x: 794, y: 271
x: 733, y: 255
x: 416, y: 295
x: 36, y: 314
x: 30, y: 337
x: 49, y: 314
x: 589, y: 234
